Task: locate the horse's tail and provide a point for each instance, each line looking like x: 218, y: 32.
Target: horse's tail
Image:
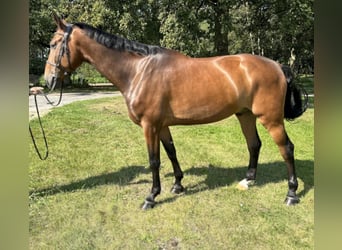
x: 296, y: 101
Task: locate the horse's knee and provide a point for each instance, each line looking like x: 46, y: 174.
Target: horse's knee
x: 170, y: 150
x: 254, y: 147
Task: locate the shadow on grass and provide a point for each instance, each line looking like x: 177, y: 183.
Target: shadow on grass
x: 124, y: 176
x: 215, y: 177
x: 274, y: 172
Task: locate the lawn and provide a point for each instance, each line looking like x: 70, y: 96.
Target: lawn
x: 88, y: 193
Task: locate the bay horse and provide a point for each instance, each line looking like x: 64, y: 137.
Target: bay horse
x: 163, y: 87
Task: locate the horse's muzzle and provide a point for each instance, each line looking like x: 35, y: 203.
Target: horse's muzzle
x: 52, y: 82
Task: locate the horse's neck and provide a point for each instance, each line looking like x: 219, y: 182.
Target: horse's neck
x: 118, y: 67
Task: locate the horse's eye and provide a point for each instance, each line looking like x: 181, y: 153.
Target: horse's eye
x: 53, y: 45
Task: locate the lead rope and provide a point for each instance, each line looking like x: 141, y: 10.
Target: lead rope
x: 59, y: 100
x: 41, y: 125
x: 43, y: 133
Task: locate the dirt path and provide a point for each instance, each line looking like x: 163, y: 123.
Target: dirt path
x: 44, y: 107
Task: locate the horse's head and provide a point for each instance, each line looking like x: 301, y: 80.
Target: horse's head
x: 63, y: 58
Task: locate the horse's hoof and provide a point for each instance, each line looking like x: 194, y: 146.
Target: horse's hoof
x: 244, y: 184
x: 177, y: 189
x: 290, y: 200
x: 148, y: 205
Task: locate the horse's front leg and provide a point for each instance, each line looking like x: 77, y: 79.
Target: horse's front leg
x: 153, y: 146
x: 166, y: 139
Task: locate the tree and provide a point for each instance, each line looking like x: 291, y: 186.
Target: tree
x: 277, y: 28
x: 197, y: 28
x: 41, y: 28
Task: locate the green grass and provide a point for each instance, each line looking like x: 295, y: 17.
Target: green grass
x: 88, y: 193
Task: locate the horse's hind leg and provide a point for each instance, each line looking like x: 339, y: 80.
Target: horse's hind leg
x: 248, y: 125
x: 286, y: 148
x: 166, y: 139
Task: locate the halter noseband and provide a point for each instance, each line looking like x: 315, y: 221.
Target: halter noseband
x: 63, y: 50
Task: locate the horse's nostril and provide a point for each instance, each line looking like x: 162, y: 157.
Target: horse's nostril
x: 50, y: 81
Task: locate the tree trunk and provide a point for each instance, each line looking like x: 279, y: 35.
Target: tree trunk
x: 221, y: 35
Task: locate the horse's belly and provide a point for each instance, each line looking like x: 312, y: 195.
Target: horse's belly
x: 202, y: 113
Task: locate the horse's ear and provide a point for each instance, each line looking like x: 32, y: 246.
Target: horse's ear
x: 61, y: 24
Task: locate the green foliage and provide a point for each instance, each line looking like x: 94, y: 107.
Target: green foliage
x: 196, y: 28
x: 36, y: 66
x: 181, y: 29
x: 88, y: 73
